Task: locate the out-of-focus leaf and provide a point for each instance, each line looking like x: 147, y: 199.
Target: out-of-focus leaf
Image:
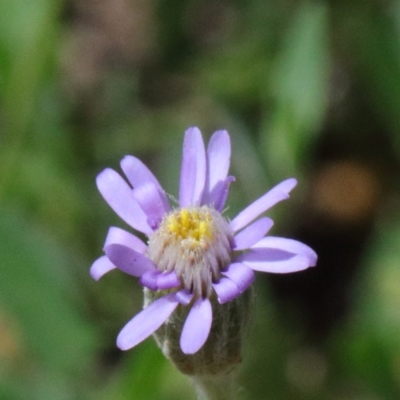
x: 299, y: 88
x: 368, y: 348
x: 247, y: 166
x: 41, y: 186
x: 27, y: 32
x: 235, y: 75
x: 34, y: 288
x: 143, y: 372
x: 378, y: 64
x: 149, y: 375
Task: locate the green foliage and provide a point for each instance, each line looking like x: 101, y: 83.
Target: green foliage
x: 299, y: 85
x: 38, y: 291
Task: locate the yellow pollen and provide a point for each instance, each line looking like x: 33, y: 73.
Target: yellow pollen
x: 195, y: 243
x: 173, y: 224
x: 190, y: 224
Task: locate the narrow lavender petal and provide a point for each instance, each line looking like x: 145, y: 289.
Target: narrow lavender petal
x: 289, y: 245
x: 252, y: 233
x: 276, y: 194
x: 119, y: 236
x: 117, y: 193
x: 201, y: 170
x: 128, y: 260
x: 188, y: 168
x: 184, y: 296
x: 218, y: 158
x: 241, y: 275
x: 146, y: 322
x: 197, y: 326
x: 220, y: 193
x: 226, y: 290
x: 100, y: 267
x: 193, y: 170
x: 150, y: 199
x: 137, y: 172
x: 149, y: 279
x: 168, y: 280
x: 265, y: 260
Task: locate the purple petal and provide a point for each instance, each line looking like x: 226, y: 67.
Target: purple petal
x: 149, y: 279
x: 150, y: 199
x: 220, y: 193
x: 119, y: 236
x: 276, y: 194
x: 184, y: 296
x: 168, y: 280
x: 117, y: 193
x: 197, y: 326
x: 100, y: 267
x: 253, y: 233
x: 193, y: 170
x: 128, y: 260
x: 289, y: 245
x: 157, y: 280
x: 137, y: 172
x: 241, y: 275
x: 218, y: 158
x: 146, y: 322
x: 270, y: 260
x: 226, y: 290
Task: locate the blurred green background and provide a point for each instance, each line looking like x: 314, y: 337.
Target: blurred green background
x: 306, y: 89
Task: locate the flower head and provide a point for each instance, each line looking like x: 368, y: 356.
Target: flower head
x: 194, y: 254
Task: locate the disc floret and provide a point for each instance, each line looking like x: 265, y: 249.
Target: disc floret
x: 195, y: 243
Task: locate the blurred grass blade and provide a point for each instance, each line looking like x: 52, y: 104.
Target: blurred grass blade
x: 27, y: 32
x: 378, y: 62
x: 368, y: 347
x: 33, y: 288
x: 142, y: 377
x: 299, y: 86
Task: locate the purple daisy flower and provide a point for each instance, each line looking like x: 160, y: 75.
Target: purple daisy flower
x: 193, y: 251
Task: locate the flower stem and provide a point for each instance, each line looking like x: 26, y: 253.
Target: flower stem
x: 215, y: 387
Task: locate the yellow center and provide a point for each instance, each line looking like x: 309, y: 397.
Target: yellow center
x: 188, y: 223
x: 195, y: 242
